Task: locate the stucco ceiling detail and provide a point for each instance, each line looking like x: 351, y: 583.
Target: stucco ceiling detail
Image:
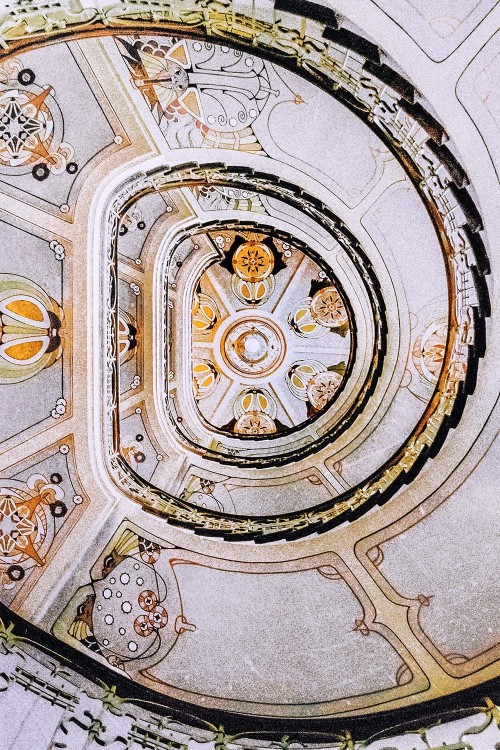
x: 248, y: 351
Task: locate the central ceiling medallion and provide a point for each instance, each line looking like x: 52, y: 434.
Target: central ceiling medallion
x: 253, y: 347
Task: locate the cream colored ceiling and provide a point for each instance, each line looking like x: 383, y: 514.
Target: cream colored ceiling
x: 373, y: 582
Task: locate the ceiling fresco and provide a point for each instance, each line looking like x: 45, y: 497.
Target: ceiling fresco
x: 249, y: 375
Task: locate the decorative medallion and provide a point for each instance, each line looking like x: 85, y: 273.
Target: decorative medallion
x: 322, y: 388
x: 252, y: 292
x: 127, y: 336
x: 30, y: 134
x: 328, y: 308
x: 429, y: 350
x: 31, y: 333
x: 253, y: 261
x: 204, y: 313
x: 253, y: 347
x: 27, y: 523
x: 255, y: 413
x: 205, y: 378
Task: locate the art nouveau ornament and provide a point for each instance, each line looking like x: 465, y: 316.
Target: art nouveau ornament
x: 31, y: 132
x: 131, y: 614
x: 243, y: 334
x: 127, y: 336
x: 27, y: 524
x: 233, y: 467
x: 31, y: 334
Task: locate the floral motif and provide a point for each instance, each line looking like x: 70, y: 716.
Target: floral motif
x: 429, y: 350
x: 127, y: 336
x: 31, y: 331
x: 255, y: 413
x: 16, y: 527
x: 204, y: 313
x: 205, y: 378
x: 322, y: 388
x: 27, y: 524
x: 27, y: 133
x: 255, y: 423
x: 328, y: 308
x: 124, y: 613
x: 253, y: 261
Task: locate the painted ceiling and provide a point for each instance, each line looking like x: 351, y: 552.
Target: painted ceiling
x: 249, y: 360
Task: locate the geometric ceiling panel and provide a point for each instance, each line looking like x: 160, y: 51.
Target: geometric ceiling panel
x: 47, y: 144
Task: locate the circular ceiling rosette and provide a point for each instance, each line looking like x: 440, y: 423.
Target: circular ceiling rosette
x: 240, y: 348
